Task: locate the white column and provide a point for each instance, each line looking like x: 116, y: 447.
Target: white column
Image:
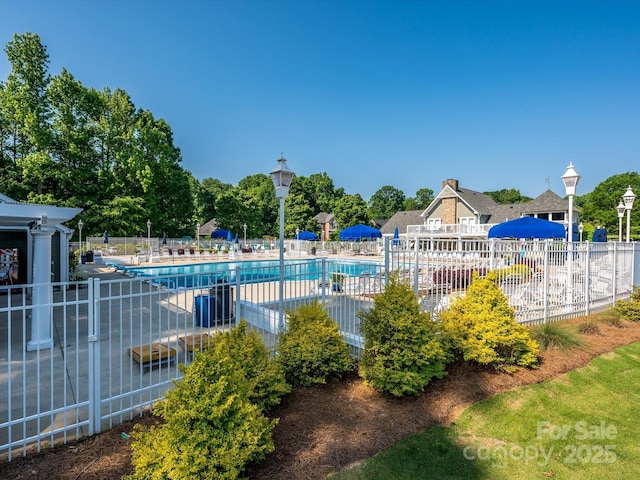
x: 42, y: 290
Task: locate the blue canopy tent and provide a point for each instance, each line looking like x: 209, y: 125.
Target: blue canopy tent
x: 306, y: 236
x: 527, y: 227
x: 359, y: 232
x: 220, y: 233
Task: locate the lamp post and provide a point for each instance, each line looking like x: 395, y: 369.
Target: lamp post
x: 628, y: 198
x: 80, y: 225
x: 581, y: 229
x: 620, y: 208
x: 570, y: 180
x: 244, y: 227
x: 198, y: 235
x: 149, y: 237
x: 282, y: 177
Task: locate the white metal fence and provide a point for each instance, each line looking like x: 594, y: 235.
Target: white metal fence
x: 118, y: 342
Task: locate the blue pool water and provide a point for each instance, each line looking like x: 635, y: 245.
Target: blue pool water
x: 250, y: 271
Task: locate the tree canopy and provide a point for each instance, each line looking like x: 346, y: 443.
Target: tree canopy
x: 64, y: 143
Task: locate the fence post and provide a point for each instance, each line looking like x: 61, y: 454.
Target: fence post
x: 416, y: 267
x: 545, y: 279
x: 93, y: 340
x: 587, y: 278
x: 238, y: 283
x: 614, y: 277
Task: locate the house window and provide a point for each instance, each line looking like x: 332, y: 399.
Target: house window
x: 558, y: 216
x: 434, y: 223
x: 467, y: 220
x: 543, y: 216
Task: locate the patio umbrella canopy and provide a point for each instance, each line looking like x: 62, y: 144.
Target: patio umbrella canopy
x: 360, y: 232
x: 306, y: 236
x: 527, y: 227
x: 220, y: 233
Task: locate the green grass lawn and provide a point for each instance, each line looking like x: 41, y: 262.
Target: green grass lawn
x: 582, y: 425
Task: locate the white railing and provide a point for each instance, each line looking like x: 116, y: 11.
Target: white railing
x: 118, y: 342
x: 474, y: 230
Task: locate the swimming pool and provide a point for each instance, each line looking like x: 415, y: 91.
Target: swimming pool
x: 248, y: 271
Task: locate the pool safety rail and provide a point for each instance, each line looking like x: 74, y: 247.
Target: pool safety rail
x: 116, y: 341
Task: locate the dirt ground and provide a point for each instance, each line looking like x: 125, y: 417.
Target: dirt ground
x: 328, y: 428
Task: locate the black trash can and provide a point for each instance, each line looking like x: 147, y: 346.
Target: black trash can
x: 313, y: 250
x: 223, y: 292
x: 89, y: 256
x: 205, y: 310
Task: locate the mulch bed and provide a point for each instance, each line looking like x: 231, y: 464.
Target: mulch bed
x: 329, y: 428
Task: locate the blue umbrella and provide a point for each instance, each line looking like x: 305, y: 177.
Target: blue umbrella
x: 229, y: 236
x: 306, y: 236
x: 396, y: 237
x: 360, y: 232
x: 105, y: 237
x: 164, y: 238
x: 236, y: 238
x: 527, y: 227
x: 219, y: 233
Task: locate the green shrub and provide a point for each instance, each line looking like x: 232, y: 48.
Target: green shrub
x: 403, y: 350
x: 482, y: 328
x: 212, y: 429
x: 630, y: 309
x: 75, y: 274
x: 310, y: 348
x: 553, y: 335
x: 517, y: 269
x: 267, y: 381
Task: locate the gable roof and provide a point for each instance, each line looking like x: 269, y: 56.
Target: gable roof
x: 546, y: 202
x: 478, y: 202
x: 401, y: 220
x: 324, y: 217
x: 209, y: 227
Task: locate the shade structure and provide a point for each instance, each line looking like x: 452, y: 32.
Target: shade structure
x: 306, y: 236
x: 360, y: 232
x: 220, y: 233
x: 527, y: 227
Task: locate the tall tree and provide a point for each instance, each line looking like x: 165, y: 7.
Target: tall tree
x: 351, y: 210
x: 421, y: 201
x: 508, y: 196
x: 599, y: 206
x: 25, y: 114
x: 386, y: 202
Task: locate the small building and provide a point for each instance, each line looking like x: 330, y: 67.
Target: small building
x: 35, y: 250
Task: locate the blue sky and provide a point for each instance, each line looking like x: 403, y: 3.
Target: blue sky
x: 498, y: 94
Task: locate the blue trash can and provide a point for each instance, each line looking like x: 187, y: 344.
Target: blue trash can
x: 205, y: 310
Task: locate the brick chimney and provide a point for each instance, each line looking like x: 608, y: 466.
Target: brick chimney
x: 452, y: 182
x: 449, y: 210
